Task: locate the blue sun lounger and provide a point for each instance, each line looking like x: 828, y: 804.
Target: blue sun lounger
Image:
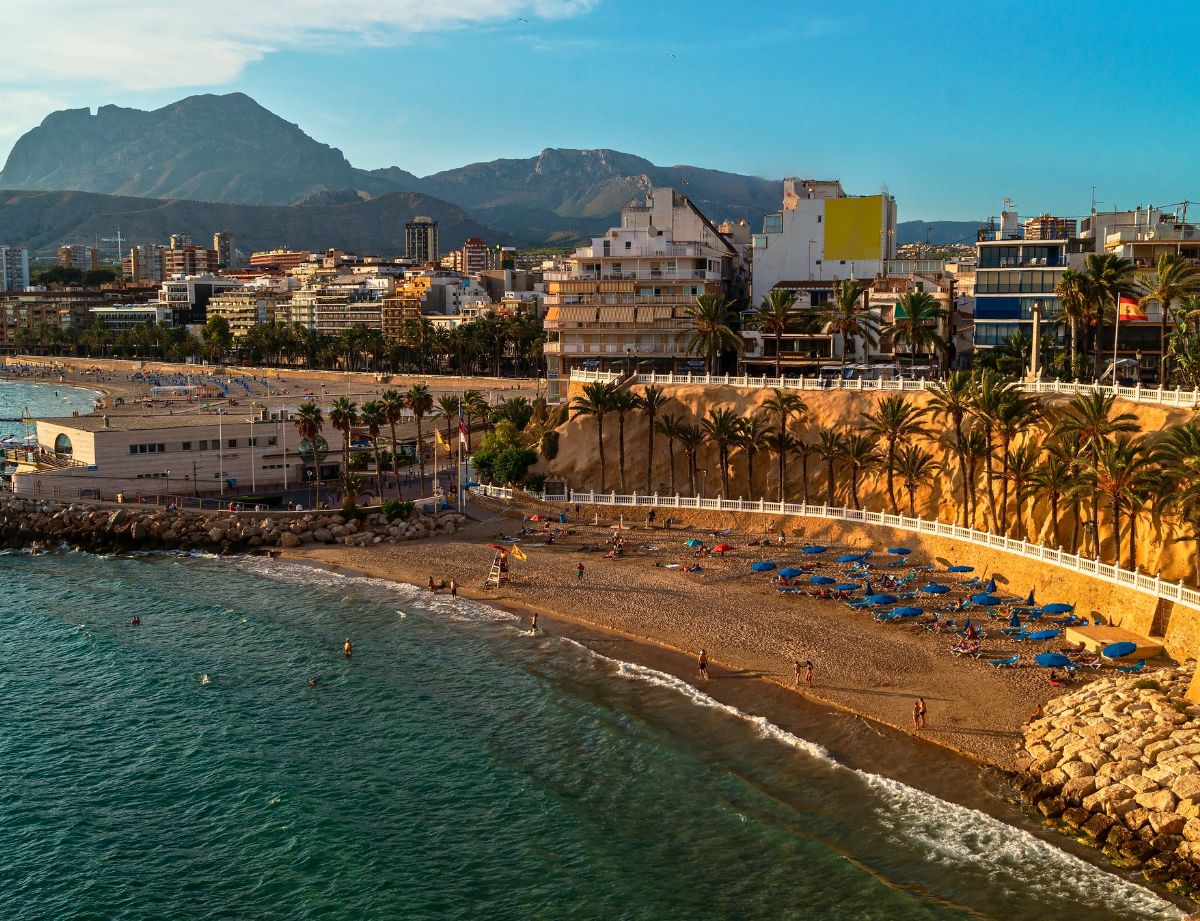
x: 1138, y: 666
x: 1010, y: 662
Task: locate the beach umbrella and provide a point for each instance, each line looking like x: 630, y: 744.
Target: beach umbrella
x: 934, y: 588
x: 869, y: 590
x: 1052, y: 660
x: 851, y: 557
x: 722, y: 548
x: 1014, y: 620
x: 791, y: 572
x: 908, y: 611
x: 882, y: 599
x: 899, y: 551
x: 847, y: 587
x: 986, y: 600
x: 1119, y: 650
x: 694, y: 542
x: 960, y: 569
x: 991, y: 586
x: 1029, y: 601
x: 1057, y: 607
x: 821, y: 580
x: 764, y: 566
x: 814, y: 549
x: 1045, y: 634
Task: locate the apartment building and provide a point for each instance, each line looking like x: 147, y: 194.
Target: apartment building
x: 14, y: 268
x: 222, y: 245
x: 124, y: 317
x: 144, y: 263
x: 187, y: 260
x: 473, y: 257
x: 823, y: 234
x: 245, y: 308
x: 34, y: 310
x: 75, y: 256
x: 621, y: 301
x: 421, y: 240
x: 283, y: 259
x: 188, y: 296
x: 337, y: 305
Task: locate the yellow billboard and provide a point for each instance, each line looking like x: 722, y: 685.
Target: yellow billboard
x: 853, y: 227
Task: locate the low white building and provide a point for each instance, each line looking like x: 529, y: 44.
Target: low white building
x: 123, y: 317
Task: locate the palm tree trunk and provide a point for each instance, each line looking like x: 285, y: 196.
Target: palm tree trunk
x: 1073, y: 333
x: 890, y: 460
x: 650, y: 455
x: 962, y: 465
x: 378, y: 468
x: 621, y: 451
x: 991, y: 489
x: 778, y: 355
x: 1054, y: 518
x: 782, y: 475
x: 1133, y: 539
x: 723, y: 457
x: 395, y: 455
x: 854, y: 487
x: 829, y: 496
x: 420, y: 459
x: 1075, y: 510
x: 1116, y: 531
x: 1096, y: 525
x: 671, y: 454
x: 804, y: 474
x: 600, y: 447
x: 692, y: 472
x: 912, y: 502
x: 1004, y: 446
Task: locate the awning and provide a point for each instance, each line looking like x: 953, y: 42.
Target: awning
x: 616, y: 315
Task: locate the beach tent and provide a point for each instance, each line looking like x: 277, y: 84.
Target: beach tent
x: 764, y: 566
x: 814, y: 549
x: 934, y: 588
x: 1052, y: 660
x: 694, y: 542
x: 881, y: 599
x: 986, y: 600
x: 1119, y: 650
x: 821, y: 580
x: 847, y: 587
x: 960, y: 569
x: 791, y: 572
x: 851, y: 557
x: 1057, y: 607
x: 908, y: 611
x: 899, y: 551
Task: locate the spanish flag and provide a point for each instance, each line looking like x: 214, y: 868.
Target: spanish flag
x: 1131, y: 308
x: 518, y: 553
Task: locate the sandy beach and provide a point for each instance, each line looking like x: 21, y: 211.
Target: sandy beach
x: 748, y: 629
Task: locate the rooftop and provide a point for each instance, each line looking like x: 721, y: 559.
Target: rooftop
x: 132, y: 423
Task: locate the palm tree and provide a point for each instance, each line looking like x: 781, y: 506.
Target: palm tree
x: 1017, y: 413
x: 783, y: 406
x: 374, y: 417
x: 752, y: 435
x: 393, y: 411
x: 595, y: 401
x: 1109, y: 277
x: 343, y: 416
x: 309, y: 423
x: 917, y: 328
x: 780, y: 443
x: 1121, y: 470
x: 973, y: 447
x: 804, y: 450
x: 916, y: 468
x: 951, y: 399
x: 987, y: 403
x: 474, y: 407
x: 895, y: 420
x: 419, y: 401
x: 622, y: 402
x: 1177, y: 455
x: 669, y: 426
x: 776, y: 315
x: 830, y: 447
x: 652, y: 402
x: 691, y: 436
x: 848, y: 316
x: 1020, y: 469
x: 713, y: 334
x: 861, y: 457
x: 1053, y: 478
x: 721, y: 428
x: 1174, y: 279
x: 1075, y: 303
x: 447, y: 406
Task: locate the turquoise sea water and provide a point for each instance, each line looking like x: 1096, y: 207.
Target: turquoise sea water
x: 45, y: 400
x: 456, y: 767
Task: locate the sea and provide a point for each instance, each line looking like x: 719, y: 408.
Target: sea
x: 457, y: 766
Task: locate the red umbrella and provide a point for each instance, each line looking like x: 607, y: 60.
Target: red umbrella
x: 722, y: 548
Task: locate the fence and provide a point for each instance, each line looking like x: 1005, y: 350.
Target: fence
x: 1150, y: 585
x: 1137, y: 394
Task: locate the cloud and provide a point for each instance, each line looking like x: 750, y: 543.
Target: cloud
x: 155, y: 44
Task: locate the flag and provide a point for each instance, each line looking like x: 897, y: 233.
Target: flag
x: 437, y: 434
x: 462, y: 427
x: 518, y: 553
x: 1131, y: 309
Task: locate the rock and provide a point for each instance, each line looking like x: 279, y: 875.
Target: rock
x: 1191, y: 829
x: 1167, y: 823
x: 216, y: 535
x: 137, y: 531
x: 1076, y: 789
x: 1097, y: 827
x: 1157, y: 801
x: 288, y: 539
x: 1052, y: 807
x: 1110, y: 794
x: 1119, y: 770
x: 1187, y: 786
x: 1074, y: 769
x: 1139, y: 783
x: 322, y: 535
x: 1075, y: 817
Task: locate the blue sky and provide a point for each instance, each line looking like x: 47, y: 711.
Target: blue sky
x: 952, y: 105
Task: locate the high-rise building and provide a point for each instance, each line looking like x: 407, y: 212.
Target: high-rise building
x: 75, y: 256
x: 283, y: 259
x: 474, y: 257
x: 14, y: 268
x: 1048, y: 227
x: 222, y: 245
x: 179, y: 240
x: 188, y: 260
x: 421, y: 240
x: 144, y: 263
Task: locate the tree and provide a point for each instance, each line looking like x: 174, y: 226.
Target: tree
x: 1177, y: 456
x: 895, y: 420
x: 1020, y: 469
x: 831, y: 448
x: 1109, y: 277
x: 987, y: 403
x: 502, y: 456
x: 218, y: 339
x: 475, y: 407
x: 622, y: 402
x: 1122, y: 470
x: 974, y: 448
x: 951, y: 399
x: 751, y: 437
x: 1053, y: 478
x: 309, y: 423
x: 783, y: 406
x: 1075, y: 306
x: 691, y: 436
x: 1017, y: 413
x: 595, y: 401
x: 917, y: 327
x: 343, y: 416
x: 1174, y: 279
x: 776, y: 315
x: 374, y: 417
x: 652, y: 402
x: 669, y: 426
x: 713, y: 333
x: 447, y: 407
x: 419, y: 401
x: 721, y: 428
x: 916, y: 467
x: 860, y: 458
x: 780, y: 443
x: 804, y: 450
x: 393, y: 411
x: 848, y: 316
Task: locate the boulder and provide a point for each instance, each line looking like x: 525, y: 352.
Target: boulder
x: 1097, y: 827
x: 288, y: 539
x: 1157, y: 801
x: 1076, y: 789
x: 1139, y: 783
x: 1187, y: 786
x: 1167, y: 823
x: 1074, y: 769
x: 1191, y: 829
x: 322, y: 535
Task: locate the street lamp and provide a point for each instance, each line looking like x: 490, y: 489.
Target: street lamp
x: 810, y: 246
x: 195, y: 482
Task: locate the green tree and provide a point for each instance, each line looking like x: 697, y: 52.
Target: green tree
x: 668, y: 425
x: 1175, y: 278
x: 393, y: 411
x: 721, y: 428
x: 951, y: 399
x: 831, y: 448
x: 861, y: 458
x: 419, y: 401
x: 343, y: 416
x: 691, y: 436
x: 1109, y: 277
x: 1075, y: 307
x: 776, y: 315
x: 622, y: 402
x: 374, y: 417
x: 848, y: 316
x: 751, y: 438
x: 916, y: 468
x: 713, y: 334
x: 653, y: 400
x: 781, y: 443
x: 895, y: 420
x: 917, y: 327
x: 595, y: 401
x: 1122, y: 471
x: 309, y: 423
x: 218, y: 339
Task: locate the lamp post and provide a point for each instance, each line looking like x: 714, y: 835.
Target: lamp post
x: 167, y: 477
x: 810, y: 246
x: 253, y: 480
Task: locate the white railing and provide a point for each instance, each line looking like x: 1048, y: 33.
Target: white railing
x: 1150, y: 585
x: 1138, y: 394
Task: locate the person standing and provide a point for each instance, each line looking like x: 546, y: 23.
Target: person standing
x: 533, y: 622
x: 796, y: 669
x: 808, y: 672
x: 702, y: 664
x: 579, y: 572
x: 924, y: 711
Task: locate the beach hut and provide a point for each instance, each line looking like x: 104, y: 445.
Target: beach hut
x: 764, y: 566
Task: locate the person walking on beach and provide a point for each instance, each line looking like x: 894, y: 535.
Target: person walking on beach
x: 808, y: 672
x: 919, y: 713
x: 579, y: 572
x: 924, y: 711
x: 453, y: 588
x: 796, y: 668
x: 702, y: 664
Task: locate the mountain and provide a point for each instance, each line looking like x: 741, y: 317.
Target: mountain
x: 43, y: 220
x: 207, y: 148
x: 936, y: 232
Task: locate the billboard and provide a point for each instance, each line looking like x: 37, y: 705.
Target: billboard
x: 853, y: 227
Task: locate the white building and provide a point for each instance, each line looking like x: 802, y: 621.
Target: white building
x: 188, y: 295
x: 823, y: 234
x: 122, y: 317
x: 14, y: 268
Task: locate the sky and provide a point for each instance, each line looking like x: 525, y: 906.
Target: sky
x: 951, y: 106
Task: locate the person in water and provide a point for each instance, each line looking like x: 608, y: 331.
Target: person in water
x: 702, y: 664
x: 204, y: 679
x: 348, y: 648
x: 135, y: 621
x: 533, y: 622
x: 312, y: 682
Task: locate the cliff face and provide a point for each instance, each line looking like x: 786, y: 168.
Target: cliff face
x: 1159, y: 549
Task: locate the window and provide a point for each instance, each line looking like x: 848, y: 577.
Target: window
x: 187, y: 446
x: 629, y: 244
x: 773, y: 223
x: 819, y: 216
x: 204, y: 446
x: 252, y: 442
x: 231, y: 443
x: 759, y: 241
x: 133, y: 449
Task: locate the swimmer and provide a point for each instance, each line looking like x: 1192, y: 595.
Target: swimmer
x: 135, y: 621
x: 347, y: 648
x: 533, y: 622
x: 204, y: 679
x: 312, y: 682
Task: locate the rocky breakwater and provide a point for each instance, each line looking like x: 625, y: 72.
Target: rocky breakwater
x: 40, y: 524
x: 1117, y: 765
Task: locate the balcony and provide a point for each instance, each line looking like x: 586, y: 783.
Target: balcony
x: 645, y: 275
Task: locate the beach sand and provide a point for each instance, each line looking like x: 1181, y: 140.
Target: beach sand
x: 748, y: 629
